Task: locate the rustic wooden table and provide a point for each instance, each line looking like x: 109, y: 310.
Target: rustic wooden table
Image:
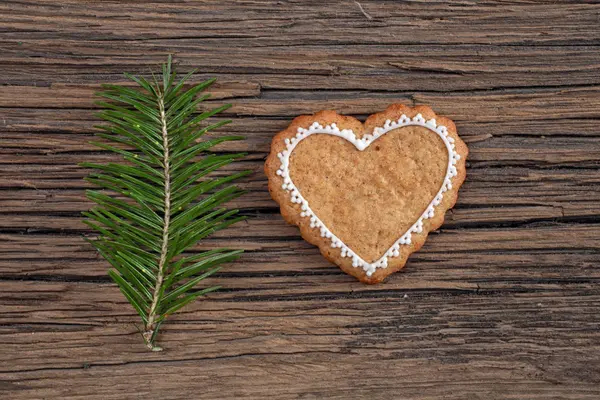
x: 501, y: 303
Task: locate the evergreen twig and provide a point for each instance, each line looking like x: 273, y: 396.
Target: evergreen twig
x: 162, y: 200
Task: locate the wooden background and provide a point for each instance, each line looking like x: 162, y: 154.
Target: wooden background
x: 502, y: 303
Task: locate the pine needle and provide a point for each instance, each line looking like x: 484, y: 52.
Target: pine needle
x: 157, y: 204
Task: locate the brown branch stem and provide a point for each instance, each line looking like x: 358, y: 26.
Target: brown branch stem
x: 150, y: 327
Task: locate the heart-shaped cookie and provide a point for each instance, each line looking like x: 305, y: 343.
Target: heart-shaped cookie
x: 367, y: 195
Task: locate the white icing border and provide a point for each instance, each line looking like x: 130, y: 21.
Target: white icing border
x: 362, y: 144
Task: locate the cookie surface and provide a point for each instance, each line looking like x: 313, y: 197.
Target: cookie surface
x: 367, y: 195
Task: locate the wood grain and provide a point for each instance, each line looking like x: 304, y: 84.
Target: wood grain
x: 501, y: 303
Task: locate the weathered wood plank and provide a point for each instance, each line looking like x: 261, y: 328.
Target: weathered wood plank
x: 501, y: 151
x: 78, y: 96
x: 500, y: 257
x: 352, y: 67
x: 54, y: 138
x: 316, y: 375
x: 476, y: 107
x: 80, y: 122
x: 68, y: 204
x: 338, y: 23
x: 31, y: 222
x: 59, y: 188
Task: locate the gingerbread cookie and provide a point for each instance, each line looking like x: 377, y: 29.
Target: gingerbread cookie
x: 367, y: 194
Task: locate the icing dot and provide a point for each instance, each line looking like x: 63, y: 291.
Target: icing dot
x: 430, y: 211
x: 405, y: 239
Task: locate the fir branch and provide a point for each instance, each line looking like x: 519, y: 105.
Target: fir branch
x: 152, y: 208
